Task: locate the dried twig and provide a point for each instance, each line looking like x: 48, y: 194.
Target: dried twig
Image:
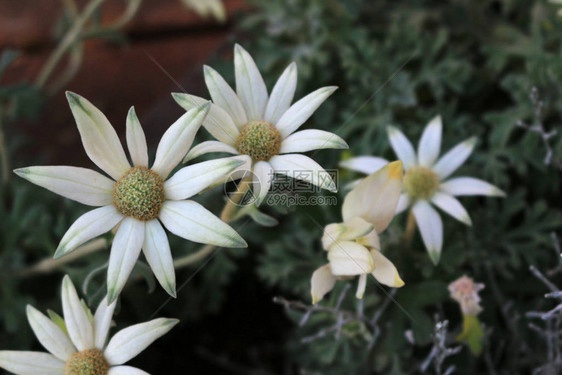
x: 341, y: 317
x: 439, y: 352
x: 538, y: 127
x: 551, y: 332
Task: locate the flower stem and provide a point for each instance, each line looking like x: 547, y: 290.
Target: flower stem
x: 410, y: 229
x: 50, y: 264
x: 227, y: 214
x: 69, y: 39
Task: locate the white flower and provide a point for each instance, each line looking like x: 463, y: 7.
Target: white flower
x: 426, y: 181
x: 207, y: 8
x: 77, y: 344
x: 248, y: 122
x: 465, y: 291
x: 136, y: 198
x: 353, y: 246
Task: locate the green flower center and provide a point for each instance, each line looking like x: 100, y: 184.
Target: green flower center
x: 260, y: 140
x: 139, y: 194
x: 420, y: 182
x: 87, y: 362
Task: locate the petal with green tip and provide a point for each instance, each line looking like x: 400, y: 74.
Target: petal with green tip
x: 301, y: 111
x: 312, y: 139
x: 190, y: 220
x: 193, y: 179
x: 130, y: 341
x: 157, y: 252
x: 136, y: 141
x: 88, y: 226
x: 98, y: 137
x: 125, y: 251
x: 79, y: 184
x: 177, y: 140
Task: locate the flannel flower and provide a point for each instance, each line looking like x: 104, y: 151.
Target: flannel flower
x: 262, y: 128
x: 77, y: 343
x: 353, y: 246
x: 425, y: 181
x: 137, y: 198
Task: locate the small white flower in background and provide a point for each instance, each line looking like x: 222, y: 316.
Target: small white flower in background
x: 262, y: 128
x: 136, y: 198
x: 207, y: 8
x: 465, y: 291
x: 557, y: 2
x: 425, y: 181
x: 353, y: 246
x: 77, y: 343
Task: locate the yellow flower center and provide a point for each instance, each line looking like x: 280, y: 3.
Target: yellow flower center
x: 139, y: 194
x: 420, y: 182
x: 87, y: 362
x: 260, y: 140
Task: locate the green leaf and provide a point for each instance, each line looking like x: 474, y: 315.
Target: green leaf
x: 472, y: 334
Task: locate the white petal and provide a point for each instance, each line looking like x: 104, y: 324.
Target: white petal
x: 301, y: 111
x: 402, y: 147
x: 79, y: 184
x: 88, y: 226
x: 322, y: 282
x: 102, y: 322
x: 470, y: 186
x: 371, y: 240
x: 126, y: 370
x: 224, y: 96
x: 249, y: 84
x: 30, y: 363
x: 430, y: 142
x: 384, y: 271
x: 190, y: 180
x: 451, y: 206
x: 350, y: 230
x: 130, y: 341
x: 311, y: 139
x: 218, y: 122
x: 49, y: 334
x: 77, y: 322
x: 136, y: 141
x: 361, y: 285
x: 156, y: 249
x: 364, y: 164
x: 431, y: 228
x: 207, y: 147
x: 376, y: 197
x: 125, y: 251
x: 303, y: 168
x: 177, y: 140
x: 262, y: 179
x: 282, y: 94
x: 454, y: 158
x: 348, y: 258
x: 193, y: 222
x: 403, y: 203
x: 98, y: 137
x: 243, y: 171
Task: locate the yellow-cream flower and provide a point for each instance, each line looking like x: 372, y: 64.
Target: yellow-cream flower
x: 353, y: 246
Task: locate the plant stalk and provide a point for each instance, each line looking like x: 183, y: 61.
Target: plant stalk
x: 227, y: 214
